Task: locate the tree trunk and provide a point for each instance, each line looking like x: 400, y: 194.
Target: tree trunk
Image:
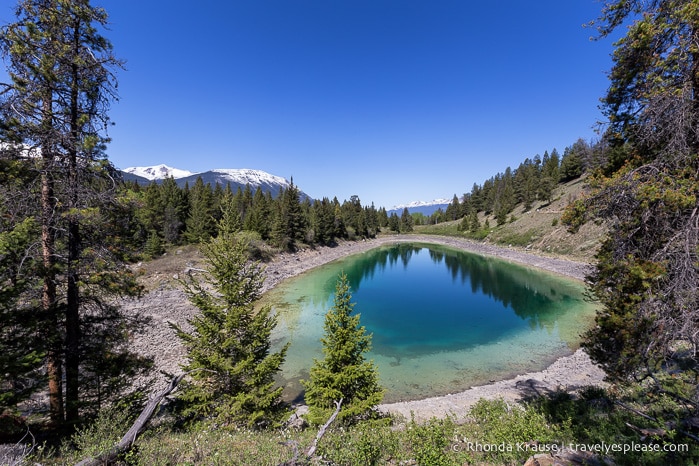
x: 73, y: 292
x: 54, y: 364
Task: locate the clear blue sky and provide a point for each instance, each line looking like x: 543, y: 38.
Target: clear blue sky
x: 392, y: 100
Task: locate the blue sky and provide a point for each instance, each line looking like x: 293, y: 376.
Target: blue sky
x: 391, y: 100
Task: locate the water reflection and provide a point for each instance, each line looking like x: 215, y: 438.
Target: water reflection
x: 530, y: 294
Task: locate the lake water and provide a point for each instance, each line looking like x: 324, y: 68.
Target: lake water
x: 442, y: 320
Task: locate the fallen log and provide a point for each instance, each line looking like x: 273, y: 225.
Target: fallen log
x: 136, y: 429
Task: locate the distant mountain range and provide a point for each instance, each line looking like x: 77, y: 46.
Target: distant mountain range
x: 255, y: 178
x: 422, y: 207
x: 239, y: 177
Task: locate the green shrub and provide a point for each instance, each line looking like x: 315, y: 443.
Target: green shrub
x: 365, y: 444
x: 97, y: 437
x: 430, y: 442
x: 495, y: 422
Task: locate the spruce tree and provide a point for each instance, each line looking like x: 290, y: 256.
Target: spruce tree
x: 343, y: 373
x: 406, y: 221
x: 290, y: 223
x: 473, y: 224
x: 258, y: 216
x: 571, y: 164
x: 394, y: 222
x: 199, y: 223
x: 229, y: 346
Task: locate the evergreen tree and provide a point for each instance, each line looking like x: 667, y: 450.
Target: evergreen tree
x: 383, y: 217
x: 259, y: 215
x: 229, y: 346
x: 62, y: 83
x: 463, y: 224
x: 406, y: 221
x: 501, y: 212
x: 229, y: 223
x: 21, y: 346
x: 372, y: 220
x: 473, y: 224
x: 454, y: 211
x: 290, y: 222
x: 174, y: 204
x: 340, y: 228
x: 477, y: 198
x: 571, y: 164
x: 545, y: 189
x: 343, y: 373
x: 394, y: 222
x: 647, y: 272
x: 324, y: 221
x: 199, y: 223
x: 526, y: 180
x: 150, y: 212
x: 246, y: 201
x: 552, y: 169
x: 154, y: 246
x: 354, y: 217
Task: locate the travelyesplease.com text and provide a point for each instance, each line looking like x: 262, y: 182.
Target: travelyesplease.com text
x: 598, y: 448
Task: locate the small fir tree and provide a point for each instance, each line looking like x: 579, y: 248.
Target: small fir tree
x: 154, y: 245
x: 229, y: 346
x: 343, y: 373
x: 473, y: 224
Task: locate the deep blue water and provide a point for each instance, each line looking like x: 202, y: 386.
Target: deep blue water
x: 442, y: 319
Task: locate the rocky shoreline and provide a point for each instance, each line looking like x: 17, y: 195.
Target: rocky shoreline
x: 167, y: 305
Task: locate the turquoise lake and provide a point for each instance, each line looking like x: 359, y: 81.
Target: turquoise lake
x: 442, y: 320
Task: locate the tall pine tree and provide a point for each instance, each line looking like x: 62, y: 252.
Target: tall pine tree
x: 62, y: 83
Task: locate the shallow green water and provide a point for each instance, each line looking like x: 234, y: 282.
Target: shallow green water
x: 442, y: 320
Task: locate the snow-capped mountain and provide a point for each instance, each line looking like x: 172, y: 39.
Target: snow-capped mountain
x: 239, y: 177
x: 252, y: 177
x: 158, y: 172
x: 423, y: 207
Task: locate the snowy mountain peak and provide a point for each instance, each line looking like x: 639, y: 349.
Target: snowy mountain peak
x: 158, y: 172
x: 252, y: 177
x: 234, y: 177
x: 422, y: 204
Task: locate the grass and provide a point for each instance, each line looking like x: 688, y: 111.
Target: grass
x: 497, y: 433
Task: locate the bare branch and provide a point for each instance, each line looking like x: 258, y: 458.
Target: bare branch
x: 311, y: 451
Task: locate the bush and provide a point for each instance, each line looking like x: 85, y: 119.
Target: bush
x: 496, y: 422
x: 97, y: 437
x: 430, y: 442
x: 365, y: 444
x: 255, y: 246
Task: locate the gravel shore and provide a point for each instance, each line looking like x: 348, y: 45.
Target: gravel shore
x: 569, y: 373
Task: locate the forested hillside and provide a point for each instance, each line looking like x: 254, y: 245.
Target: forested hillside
x: 535, y: 179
